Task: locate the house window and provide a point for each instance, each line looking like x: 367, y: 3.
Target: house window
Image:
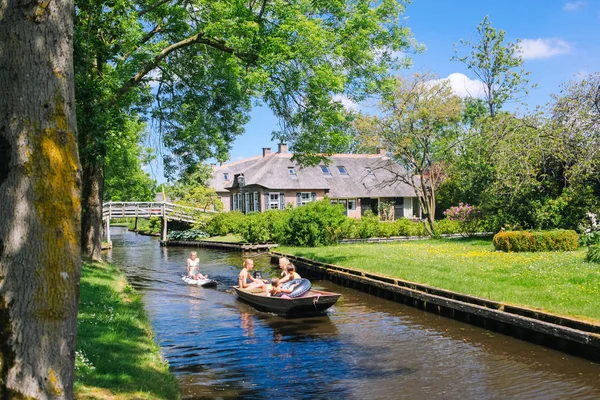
x: 235, y: 201
x: 273, y: 201
x: 342, y: 170
x: 226, y: 176
x: 370, y: 171
x: 351, y: 204
x: 239, y: 202
x: 305, y: 198
x: 256, y: 202
x: 292, y: 171
x: 247, y: 202
x: 325, y: 169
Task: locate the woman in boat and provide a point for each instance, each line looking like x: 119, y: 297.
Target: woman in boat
x: 245, y: 275
x: 193, y: 266
x: 283, y: 263
x: 290, y: 274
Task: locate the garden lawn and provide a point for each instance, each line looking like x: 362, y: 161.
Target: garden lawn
x: 556, y: 282
x: 225, y: 239
x: 116, y: 356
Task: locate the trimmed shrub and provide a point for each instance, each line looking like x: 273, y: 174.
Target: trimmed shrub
x: 406, y: 227
x: 315, y: 224
x: 558, y: 240
x: 224, y: 223
x: 593, y: 254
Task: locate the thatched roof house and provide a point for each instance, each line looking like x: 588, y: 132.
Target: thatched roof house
x: 273, y: 180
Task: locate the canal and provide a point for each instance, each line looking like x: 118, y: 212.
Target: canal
x: 365, y: 347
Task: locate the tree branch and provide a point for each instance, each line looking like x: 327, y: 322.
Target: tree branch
x: 152, y: 7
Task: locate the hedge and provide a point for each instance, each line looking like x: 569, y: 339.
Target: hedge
x: 558, y: 240
x: 593, y: 254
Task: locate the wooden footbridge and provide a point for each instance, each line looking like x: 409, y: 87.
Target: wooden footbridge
x: 163, y: 210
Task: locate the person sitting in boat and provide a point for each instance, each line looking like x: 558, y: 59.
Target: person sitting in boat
x: 269, y: 289
x: 290, y: 274
x: 245, y: 275
x: 193, y: 266
x: 283, y: 263
x: 279, y: 291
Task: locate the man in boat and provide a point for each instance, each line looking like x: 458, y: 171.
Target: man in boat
x: 245, y: 275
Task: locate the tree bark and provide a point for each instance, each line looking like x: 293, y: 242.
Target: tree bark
x: 40, y: 195
x: 91, y: 223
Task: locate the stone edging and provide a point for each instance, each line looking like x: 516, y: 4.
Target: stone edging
x: 562, y: 333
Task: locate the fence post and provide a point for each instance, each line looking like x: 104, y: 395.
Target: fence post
x: 164, y: 224
x: 107, y: 229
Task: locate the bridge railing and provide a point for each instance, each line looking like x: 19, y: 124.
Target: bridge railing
x: 151, y: 209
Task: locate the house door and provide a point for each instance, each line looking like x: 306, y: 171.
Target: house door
x: 399, y: 208
x: 365, y: 204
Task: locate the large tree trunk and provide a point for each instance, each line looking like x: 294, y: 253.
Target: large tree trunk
x: 40, y: 200
x: 92, y: 194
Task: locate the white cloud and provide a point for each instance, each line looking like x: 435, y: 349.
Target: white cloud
x: 463, y: 86
x: 544, y: 48
x: 574, y: 6
x: 348, y: 103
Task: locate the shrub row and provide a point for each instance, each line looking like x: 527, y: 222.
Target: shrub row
x: 316, y: 224
x: 192, y: 234
x: 558, y: 240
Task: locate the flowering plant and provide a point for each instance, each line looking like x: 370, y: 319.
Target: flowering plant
x: 468, y: 217
x: 590, y: 230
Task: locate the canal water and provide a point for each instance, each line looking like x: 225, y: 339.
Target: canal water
x: 365, y: 347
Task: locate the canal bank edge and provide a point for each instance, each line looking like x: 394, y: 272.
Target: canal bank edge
x: 116, y: 353
x: 219, y: 245
x: 561, y: 333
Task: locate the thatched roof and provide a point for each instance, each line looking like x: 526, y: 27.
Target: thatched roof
x: 367, y: 175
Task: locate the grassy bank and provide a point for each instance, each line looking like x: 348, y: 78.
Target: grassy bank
x: 557, y: 282
x: 225, y: 239
x: 116, y: 356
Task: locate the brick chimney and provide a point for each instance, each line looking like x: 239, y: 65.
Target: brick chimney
x: 266, y: 150
x: 282, y: 148
x: 380, y: 151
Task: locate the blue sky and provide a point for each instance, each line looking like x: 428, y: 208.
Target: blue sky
x: 560, y: 42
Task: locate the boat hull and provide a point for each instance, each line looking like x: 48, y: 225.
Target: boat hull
x: 313, y: 302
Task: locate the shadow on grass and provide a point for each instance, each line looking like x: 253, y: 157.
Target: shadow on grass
x: 116, y: 351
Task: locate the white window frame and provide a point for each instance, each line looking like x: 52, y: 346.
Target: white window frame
x: 304, y: 201
x: 325, y: 169
x: 292, y: 171
x: 235, y: 203
x: 239, y: 203
x: 272, y: 201
x: 225, y: 176
x: 340, y: 168
x: 256, y: 202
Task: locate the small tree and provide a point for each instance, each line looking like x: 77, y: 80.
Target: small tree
x: 497, y: 64
x: 416, y: 124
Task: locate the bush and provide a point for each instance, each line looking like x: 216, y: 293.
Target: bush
x: 467, y: 216
x: 192, y: 234
x: 448, y: 227
x: 350, y: 229
x: 316, y: 224
x: 558, y: 240
x: 225, y: 223
x: 593, y: 254
x: 255, y: 229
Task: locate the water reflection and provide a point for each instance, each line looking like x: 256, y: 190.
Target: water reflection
x: 365, y: 347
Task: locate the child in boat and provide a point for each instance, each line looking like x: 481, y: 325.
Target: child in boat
x: 245, y: 275
x: 279, y: 291
x: 193, y: 266
x: 290, y: 274
x: 270, y: 289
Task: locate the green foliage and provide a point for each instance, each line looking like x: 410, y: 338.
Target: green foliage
x: 593, y: 254
x: 497, y: 64
x: 225, y: 223
x: 558, y: 240
x: 155, y: 225
x: 447, y: 226
x: 316, y: 224
x: 467, y: 216
x: 124, y: 178
x: 192, y: 234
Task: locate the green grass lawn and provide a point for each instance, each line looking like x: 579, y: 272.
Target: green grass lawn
x: 116, y: 356
x: 225, y: 239
x: 557, y: 282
